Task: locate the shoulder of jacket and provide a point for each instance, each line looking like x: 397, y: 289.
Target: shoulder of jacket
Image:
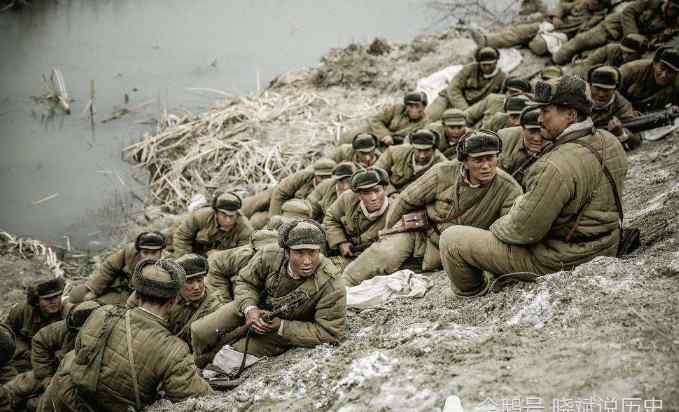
x: 329, y: 270
x: 505, y: 179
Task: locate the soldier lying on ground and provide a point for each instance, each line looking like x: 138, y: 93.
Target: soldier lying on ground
x: 652, y: 84
x: 521, y: 145
x: 510, y: 115
x: 43, y: 306
x: 631, y: 48
x: 495, y: 102
x: 396, y: 120
x: 292, y: 271
x: 218, y: 227
x: 224, y: 265
x: 362, y: 151
x: 469, y: 191
x: 569, y: 19
x: 123, y: 356
x: 194, y: 300
x: 325, y: 194
x: 300, y: 184
x: 568, y: 214
x: 453, y: 129
x: 405, y: 163
x: 355, y: 218
x: 474, y: 82
x: 609, y: 107
x: 291, y: 210
x: 656, y: 20
x: 110, y: 283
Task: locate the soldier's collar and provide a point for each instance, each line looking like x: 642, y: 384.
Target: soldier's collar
x: 605, y: 105
x: 465, y: 176
x: 376, y: 214
x: 295, y: 276
x: 417, y: 168
x: 576, y: 127
x: 493, y: 74
x: 152, y: 315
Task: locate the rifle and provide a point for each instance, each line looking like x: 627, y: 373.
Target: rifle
x: 227, y: 338
x: 647, y: 121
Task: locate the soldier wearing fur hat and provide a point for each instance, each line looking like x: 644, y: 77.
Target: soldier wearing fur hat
x: 195, y: 300
x: 521, y: 144
x: 571, y: 211
x: 453, y: 129
x: 474, y: 82
x: 294, y: 272
x: 43, y: 306
x: 110, y: 283
x: 631, y: 48
x: 510, y: 115
x: 393, y: 122
x: 224, y: 265
x: 652, y: 84
x: 609, y: 108
x: 219, y: 227
x: 495, y: 102
x: 405, y: 163
x: 354, y: 220
x: 362, y: 151
x: 325, y: 194
x: 123, y: 356
x: 468, y: 191
x: 300, y: 184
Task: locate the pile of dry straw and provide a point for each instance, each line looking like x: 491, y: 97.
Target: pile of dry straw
x: 242, y: 144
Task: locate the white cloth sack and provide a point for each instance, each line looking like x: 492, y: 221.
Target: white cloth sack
x: 510, y: 59
x: 380, y: 289
x: 197, y: 201
x: 228, y: 359
x: 553, y: 39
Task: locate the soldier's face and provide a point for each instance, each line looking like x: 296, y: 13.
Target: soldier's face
x: 481, y: 169
x: 367, y: 159
x: 50, y: 306
x: 423, y: 156
x: 600, y: 95
x: 225, y: 221
x: 373, y: 199
x: 664, y: 76
x: 554, y: 120
x: 343, y: 185
x: 454, y: 132
x: 533, y: 140
x: 513, y: 119
x: 415, y: 110
x: 193, y: 288
x: 487, y: 68
x: 150, y: 253
x: 304, y: 261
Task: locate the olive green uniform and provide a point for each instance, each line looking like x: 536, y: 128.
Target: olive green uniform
x: 495, y: 122
x: 446, y: 147
x: 256, y: 208
x: 296, y: 186
x: 26, y: 320
x: 111, y: 281
x: 393, y: 120
x: 398, y: 162
x: 160, y: 360
x: 185, y: 312
x: 346, y: 222
x: 265, y: 283
x: 448, y: 200
x: 322, y: 197
x: 224, y: 267
x: 514, y: 154
x: 623, y: 110
x: 346, y: 153
x: 609, y: 55
x: 642, y: 16
x: 198, y: 232
x: 567, y: 193
x: 489, y: 105
x: 640, y: 88
x: 466, y: 88
x: 50, y: 345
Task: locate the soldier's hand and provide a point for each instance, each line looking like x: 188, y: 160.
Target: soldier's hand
x: 345, y: 249
x: 252, y: 315
x: 674, y: 109
x: 260, y: 325
x: 556, y: 21
x: 388, y: 140
x: 275, y: 324
x: 615, y: 126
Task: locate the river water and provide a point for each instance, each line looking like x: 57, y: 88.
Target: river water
x: 59, y: 176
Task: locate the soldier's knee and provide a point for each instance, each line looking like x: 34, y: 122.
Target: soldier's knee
x: 455, y: 239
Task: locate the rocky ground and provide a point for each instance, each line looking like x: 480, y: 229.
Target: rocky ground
x: 605, y: 332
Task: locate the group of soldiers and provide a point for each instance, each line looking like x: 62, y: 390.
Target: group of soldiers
x: 497, y: 176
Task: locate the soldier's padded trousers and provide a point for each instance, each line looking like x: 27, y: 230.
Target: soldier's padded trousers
x: 227, y: 318
x: 259, y: 202
x: 468, y: 251
x: 590, y: 39
x: 389, y: 254
x: 519, y: 35
x: 436, y: 108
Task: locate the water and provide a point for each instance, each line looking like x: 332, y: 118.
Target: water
x: 151, y: 51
